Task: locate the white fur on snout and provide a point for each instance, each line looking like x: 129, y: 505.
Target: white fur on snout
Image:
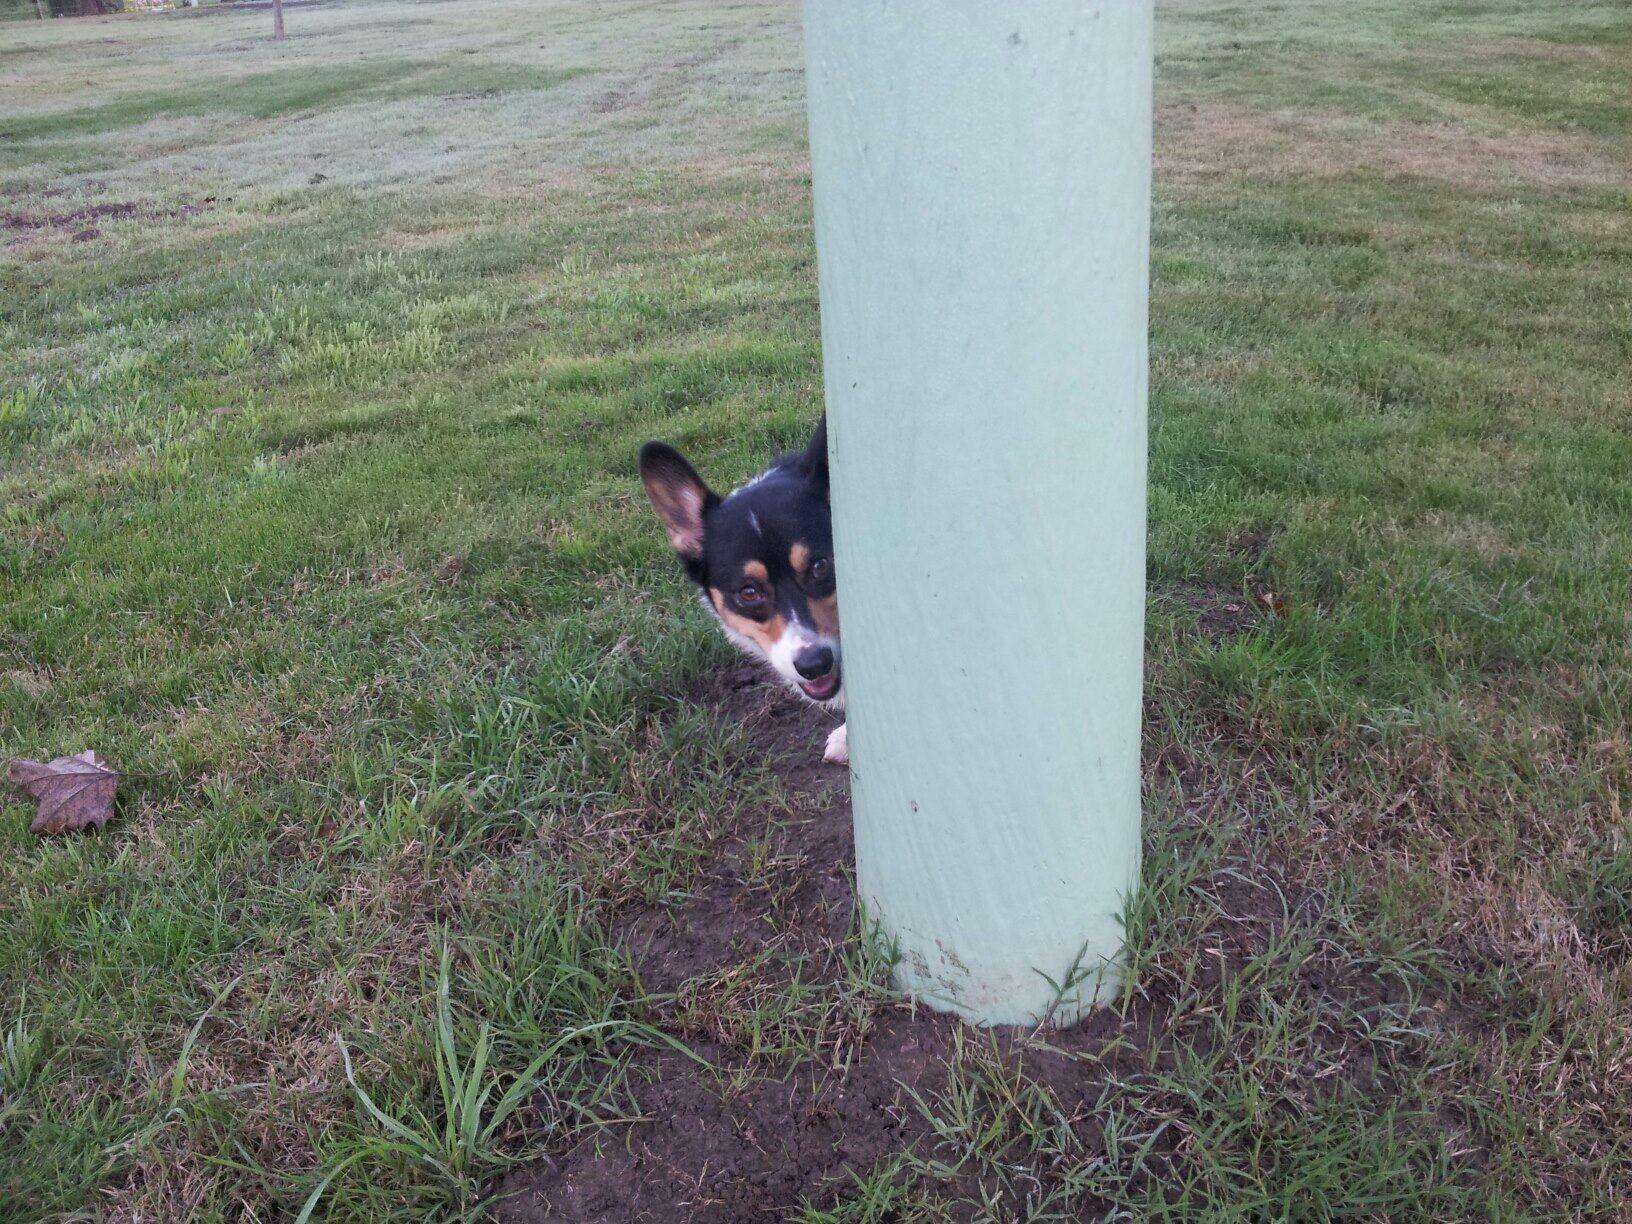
x: 795, y: 637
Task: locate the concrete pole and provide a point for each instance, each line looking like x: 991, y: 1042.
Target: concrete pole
x: 982, y: 183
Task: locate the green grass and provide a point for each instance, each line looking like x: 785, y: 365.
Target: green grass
x: 318, y: 517
x: 278, y: 94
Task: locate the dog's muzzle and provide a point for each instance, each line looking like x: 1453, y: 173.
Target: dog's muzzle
x: 818, y: 669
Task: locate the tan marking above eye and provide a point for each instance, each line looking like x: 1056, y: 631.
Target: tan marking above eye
x: 755, y: 572
x: 799, y: 558
x: 765, y: 634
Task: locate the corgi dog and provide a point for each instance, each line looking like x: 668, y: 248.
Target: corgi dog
x: 762, y: 557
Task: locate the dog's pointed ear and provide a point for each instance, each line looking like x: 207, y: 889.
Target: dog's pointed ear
x: 813, y: 460
x: 679, y: 496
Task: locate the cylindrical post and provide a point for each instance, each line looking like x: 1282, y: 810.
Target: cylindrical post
x: 982, y: 186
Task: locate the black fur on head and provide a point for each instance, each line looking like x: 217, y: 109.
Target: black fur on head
x: 812, y: 461
x: 763, y: 556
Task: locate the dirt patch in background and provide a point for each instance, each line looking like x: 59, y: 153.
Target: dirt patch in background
x: 1200, y: 141
x: 80, y: 224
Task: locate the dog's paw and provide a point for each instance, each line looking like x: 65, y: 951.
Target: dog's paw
x: 838, y: 746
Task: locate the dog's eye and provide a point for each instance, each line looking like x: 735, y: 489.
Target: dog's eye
x: 750, y: 595
x: 820, y: 570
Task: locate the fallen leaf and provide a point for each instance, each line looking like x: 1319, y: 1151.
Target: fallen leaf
x: 73, y: 792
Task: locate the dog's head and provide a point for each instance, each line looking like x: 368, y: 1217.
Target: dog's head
x: 763, y: 556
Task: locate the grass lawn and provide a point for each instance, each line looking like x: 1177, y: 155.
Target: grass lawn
x: 322, y: 370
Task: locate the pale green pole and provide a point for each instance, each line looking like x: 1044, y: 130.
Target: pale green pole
x: 982, y: 185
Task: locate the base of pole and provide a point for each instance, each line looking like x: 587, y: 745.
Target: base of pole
x: 995, y: 994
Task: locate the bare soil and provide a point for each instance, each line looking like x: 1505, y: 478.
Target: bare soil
x: 754, y: 1135
x: 751, y: 1138
x: 1210, y: 140
x: 79, y: 223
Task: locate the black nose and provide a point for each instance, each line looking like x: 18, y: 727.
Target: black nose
x: 813, y: 662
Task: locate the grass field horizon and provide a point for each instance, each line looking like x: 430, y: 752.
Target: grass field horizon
x: 323, y: 366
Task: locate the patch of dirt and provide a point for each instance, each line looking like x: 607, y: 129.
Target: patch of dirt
x: 756, y: 1136
x: 1217, y: 140
x: 1574, y: 53
x: 79, y: 223
x: 1221, y: 612
x: 1224, y: 612
x: 631, y: 96
x: 816, y: 1077
x: 710, y: 1148
x: 93, y: 212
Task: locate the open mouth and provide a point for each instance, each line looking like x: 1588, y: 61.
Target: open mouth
x: 823, y: 688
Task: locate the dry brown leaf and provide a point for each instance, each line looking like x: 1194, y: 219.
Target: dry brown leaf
x: 73, y: 792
